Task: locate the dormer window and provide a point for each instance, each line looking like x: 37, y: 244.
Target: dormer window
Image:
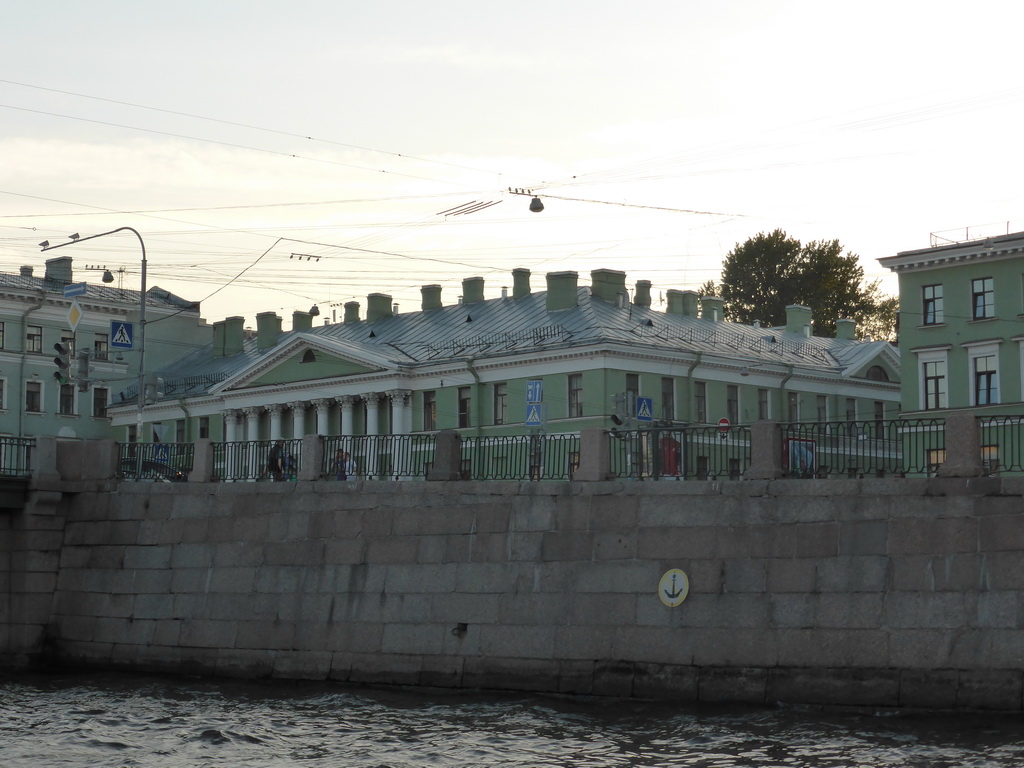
x: 309, y: 356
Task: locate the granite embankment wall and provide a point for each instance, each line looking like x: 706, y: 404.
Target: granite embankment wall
x: 882, y: 593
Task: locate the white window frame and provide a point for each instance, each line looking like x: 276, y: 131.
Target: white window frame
x: 975, y: 351
x: 938, y: 355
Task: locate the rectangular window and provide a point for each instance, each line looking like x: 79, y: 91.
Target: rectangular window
x: 100, y: 346
x: 100, y: 396
x: 982, y: 298
x: 732, y: 403
x: 700, y: 401
x: 3, y: 394
x: 500, y: 403
x: 179, y: 431
x: 204, y: 427
x: 931, y: 304
x: 793, y: 403
x: 2, y: 339
x: 429, y: 411
x: 851, y: 410
x: 33, y: 397
x: 934, y: 376
x: 668, y: 399
x: 465, y: 401
x: 822, y: 408
x: 67, y: 399
x: 763, y: 409
x: 879, y: 419
x: 575, y: 395
x: 986, y: 384
x: 34, y: 338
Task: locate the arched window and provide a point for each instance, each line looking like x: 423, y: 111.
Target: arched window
x: 877, y: 373
x: 309, y: 357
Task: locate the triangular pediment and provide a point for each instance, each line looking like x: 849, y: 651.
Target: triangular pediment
x: 307, y: 358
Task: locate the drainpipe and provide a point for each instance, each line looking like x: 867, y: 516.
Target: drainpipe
x: 477, y: 398
x: 21, y: 363
x: 689, y: 384
x: 188, y: 420
x: 782, y: 393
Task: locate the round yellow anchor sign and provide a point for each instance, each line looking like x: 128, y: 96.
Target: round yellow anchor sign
x: 673, y: 587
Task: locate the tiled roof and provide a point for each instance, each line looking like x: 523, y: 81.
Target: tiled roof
x: 155, y: 296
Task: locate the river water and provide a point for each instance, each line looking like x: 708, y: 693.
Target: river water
x: 151, y: 722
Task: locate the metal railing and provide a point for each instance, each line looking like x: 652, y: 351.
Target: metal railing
x: 875, y: 448
x: 248, y: 461
x: 158, y: 462
x: 1002, y: 445
x: 681, y: 453
x: 521, y: 457
x: 378, y: 457
x: 16, y: 456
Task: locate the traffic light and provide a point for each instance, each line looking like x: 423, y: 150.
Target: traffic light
x: 63, y: 363
x: 82, y: 374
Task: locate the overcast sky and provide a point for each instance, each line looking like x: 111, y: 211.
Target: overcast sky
x: 236, y: 135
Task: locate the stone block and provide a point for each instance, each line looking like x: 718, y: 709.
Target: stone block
x: 456, y: 607
x: 996, y: 689
x: 441, y: 672
x: 592, y: 609
x: 850, y: 687
x: 933, y: 535
x: 824, y: 648
x: 815, y: 539
x: 147, y: 557
x: 793, y: 610
x: 487, y: 577
x: 860, y: 610
x: 718, y: 647
x: 926, y: 610
x: 745, y: 576
x: 665, y: 681
x: 533, y: 608
x: 576, y: 678
x: 867, y: 537
x: 567, y: 545
x: 516, y: 674
x: 790, y: 575
x: 384, y: 669
x: 416, y: 639
x: 668, y: 645
x: 732, y: 685
x: 355, y: 637
x: 154, y: 606
x: 420, y: 578
x: 209, y: 633
x: 529, y: 642
x: 302, y: 665
x: 520, y: 546
x: 199, y: 555
x: 1002, y: 571
x: 245, y: 663
x: 618, y: 545
x: 664, y: 543
x: 391, y: 550
x: 867, y: 573
x: 929, y: 689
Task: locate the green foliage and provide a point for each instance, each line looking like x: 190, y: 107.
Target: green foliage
x: 768, y: 272
x: 708, y: 289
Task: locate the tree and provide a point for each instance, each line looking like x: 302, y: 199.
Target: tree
x: 768, y: 272
x: 708, y: 289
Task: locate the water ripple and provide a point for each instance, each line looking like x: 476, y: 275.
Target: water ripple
x: 131, y: 722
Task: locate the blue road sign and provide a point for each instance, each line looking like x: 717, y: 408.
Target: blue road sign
x: 162, y: 453
x: 644, y: 409
x: 122, y: 335
x: 534, y: 391
x: 534, y: 415
x: 74, y: 289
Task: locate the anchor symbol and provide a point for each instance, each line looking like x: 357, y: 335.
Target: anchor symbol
x: 675, y: 592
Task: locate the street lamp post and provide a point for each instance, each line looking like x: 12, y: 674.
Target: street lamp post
x: 140, y: 401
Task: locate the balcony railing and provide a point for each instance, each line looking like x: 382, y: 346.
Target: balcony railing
x: 16, y: 456
x: 521, y: 457
x: 687, y: 453
x: 157, y: 462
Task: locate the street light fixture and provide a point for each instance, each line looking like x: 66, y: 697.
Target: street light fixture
x: 76, y: 238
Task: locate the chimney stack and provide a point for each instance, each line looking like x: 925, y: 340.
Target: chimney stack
x: 268, y: 328
x: 472, y: 290
x: 431, y: 297
x: 798, y: 319
x: 520, y: 283
x: 562, y: 290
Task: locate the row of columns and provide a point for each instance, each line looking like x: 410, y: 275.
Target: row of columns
x: 398, y: 400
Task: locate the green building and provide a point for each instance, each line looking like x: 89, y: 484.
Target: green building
x: 555, y: 361
x: 961, y: 337
x: 100, y: 322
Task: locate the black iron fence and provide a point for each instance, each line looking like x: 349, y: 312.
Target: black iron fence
x: 16, y: 456
x: 158, y: 462
x: 378, y: 457
x: 875, y: 448
x: 685, y: 453
x: 864, y: 448
x: 536, y: 456
x: 250, y: 460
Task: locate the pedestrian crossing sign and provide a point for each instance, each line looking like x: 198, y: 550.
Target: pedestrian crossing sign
x: 534, y: 415
x: 644, y: 409
x: 122, y: 334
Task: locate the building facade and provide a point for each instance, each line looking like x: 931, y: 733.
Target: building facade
x: 557, y: 360
x: 35, y: 316
x: 961, y: 336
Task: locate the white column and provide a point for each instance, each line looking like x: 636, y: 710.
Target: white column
x: 372, y: 413
x: 370, y: 464
x: 275, y: 420
x: 252, y: 434
x: 346, y: 402
x: 401, y: 400
x: 323, y: 412
x: 230, y: 426
x: 298, y: 418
